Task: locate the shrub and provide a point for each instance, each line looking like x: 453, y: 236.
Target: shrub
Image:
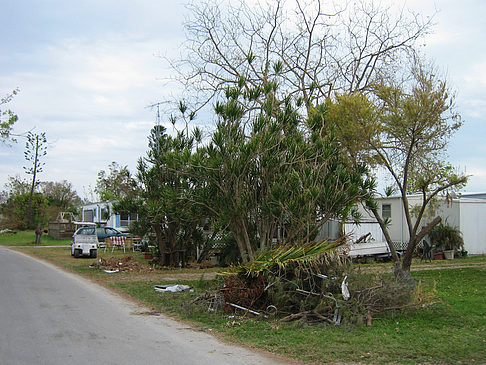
x: 446, y: 237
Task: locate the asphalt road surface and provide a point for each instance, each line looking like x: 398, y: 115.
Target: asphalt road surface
x: 48, y: 316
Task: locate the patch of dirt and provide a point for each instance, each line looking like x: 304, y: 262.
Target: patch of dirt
x: 425, y: 267
x: 130, y: 269
x: 122, y: 264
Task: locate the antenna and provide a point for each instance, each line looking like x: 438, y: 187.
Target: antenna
x: 152, y: 106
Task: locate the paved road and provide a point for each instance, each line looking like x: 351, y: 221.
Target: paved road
x: 48, y: 316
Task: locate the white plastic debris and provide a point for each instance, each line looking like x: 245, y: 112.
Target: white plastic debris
x: 344, y: 289
x: 172, y: 288
x: 111, y: 271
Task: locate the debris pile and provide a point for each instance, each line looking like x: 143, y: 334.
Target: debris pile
x: 311, y: 285
x: 122, y: 264
x: 244, y: 291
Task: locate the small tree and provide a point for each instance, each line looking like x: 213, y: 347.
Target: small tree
x: 446, y: 237
x: 17, y: 185
x: 405, y: 132
x: 35, y: 150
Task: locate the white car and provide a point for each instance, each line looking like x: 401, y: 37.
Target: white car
x: 85, y: 242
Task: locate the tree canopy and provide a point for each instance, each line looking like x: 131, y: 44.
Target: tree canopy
x: 316, y: 48
x: 272, y: 171
x: 114, y: 184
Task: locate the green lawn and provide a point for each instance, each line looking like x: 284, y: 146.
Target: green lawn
x: 25, y: 238
x: 451, y: 331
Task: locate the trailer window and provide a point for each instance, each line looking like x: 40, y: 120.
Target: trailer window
x: 386, y: 210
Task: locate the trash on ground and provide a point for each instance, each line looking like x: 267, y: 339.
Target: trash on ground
x: 245, y: 309
x: 172, y: 288
x: 7, y: 231
x: 111, y: 271
x: 344, y: 289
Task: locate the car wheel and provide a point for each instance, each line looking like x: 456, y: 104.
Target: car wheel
x: 76, y: 253
x: 93, y: 253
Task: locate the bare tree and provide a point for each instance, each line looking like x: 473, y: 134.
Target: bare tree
x: 315, y: 48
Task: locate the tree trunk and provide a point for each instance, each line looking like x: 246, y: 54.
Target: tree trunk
x: 402, y: 273
x: 238, y: 227
x: 38, y: 235
x: 267, y: 229
x: 389, y: 241
x: 159, y: 235
x: 414, y: 241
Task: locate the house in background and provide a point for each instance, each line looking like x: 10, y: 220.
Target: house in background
x: 467, y: 212
x: 102, y: 213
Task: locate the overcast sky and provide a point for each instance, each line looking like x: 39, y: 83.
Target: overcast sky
x: 87, y: 70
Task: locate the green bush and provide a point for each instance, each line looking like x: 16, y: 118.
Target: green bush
x: 16, y: 213
x: 446, y: 237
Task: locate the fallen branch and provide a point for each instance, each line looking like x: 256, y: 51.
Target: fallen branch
x: 245, y: 309
x: 363, y: 237
x: 311, y: 313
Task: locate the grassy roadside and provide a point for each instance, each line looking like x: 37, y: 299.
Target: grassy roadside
x: 452, y: 331
x: 25, y: 238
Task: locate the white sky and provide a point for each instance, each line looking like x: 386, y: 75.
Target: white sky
x: 87, y: 70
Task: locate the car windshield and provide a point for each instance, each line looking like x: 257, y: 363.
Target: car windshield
x: 87, y: 230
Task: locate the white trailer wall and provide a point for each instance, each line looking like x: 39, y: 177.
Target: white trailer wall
x: 357, y: 231
x: 473, y: 225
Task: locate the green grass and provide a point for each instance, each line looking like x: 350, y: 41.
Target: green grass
x: 26, y: 238
x: 417, y: 263
x: 451, y: 331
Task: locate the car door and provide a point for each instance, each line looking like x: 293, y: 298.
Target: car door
x: 100, y: 232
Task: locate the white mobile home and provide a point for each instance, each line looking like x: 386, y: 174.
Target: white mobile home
x: 102, y: 213
x: 468, y: 213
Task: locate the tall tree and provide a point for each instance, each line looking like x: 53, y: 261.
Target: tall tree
x: 405, y: 128
x: 7, y: 117
x: 159, y: 199
x: 35, y: 150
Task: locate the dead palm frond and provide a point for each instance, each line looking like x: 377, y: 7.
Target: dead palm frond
x: 283, y: 256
